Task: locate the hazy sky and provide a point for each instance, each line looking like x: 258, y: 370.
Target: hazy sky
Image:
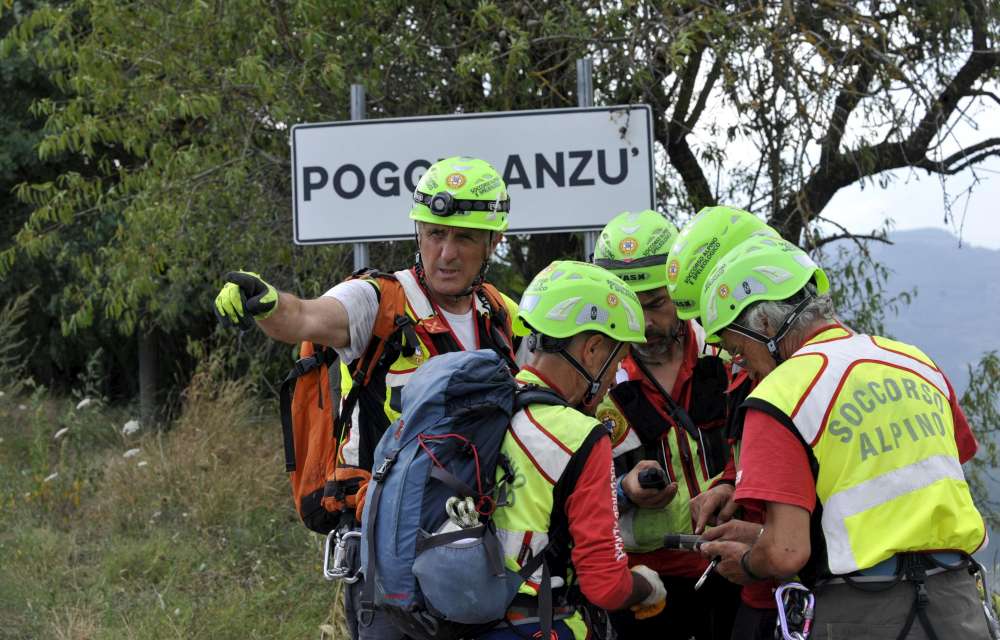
x: 916, y: 200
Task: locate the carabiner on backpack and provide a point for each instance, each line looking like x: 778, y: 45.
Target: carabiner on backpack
x: 341, y: 568
x: 796, y: 608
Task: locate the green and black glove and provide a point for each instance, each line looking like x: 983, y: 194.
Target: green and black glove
x: 245, y: 294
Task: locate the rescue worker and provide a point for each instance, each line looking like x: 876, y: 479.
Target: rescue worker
x: 695, y: 252
x: 563, y: 503
x: 460, y: 213
x: 854, y: 446
x: 668, y: 412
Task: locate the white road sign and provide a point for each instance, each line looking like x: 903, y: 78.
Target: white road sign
x: 566, y: 169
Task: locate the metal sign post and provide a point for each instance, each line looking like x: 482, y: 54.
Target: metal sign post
x: 585, y: 98
x: 358, y: 113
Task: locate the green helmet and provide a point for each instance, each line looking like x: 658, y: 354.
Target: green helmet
x: 761, y: 268
x: 634, y: 247
x: 462, y: 192
x: 698, y: 247
x: 567, y: 298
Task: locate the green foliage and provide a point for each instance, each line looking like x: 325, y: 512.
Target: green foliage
x: 12, y: 344
x: 160, y: 131
x: 981, y: 404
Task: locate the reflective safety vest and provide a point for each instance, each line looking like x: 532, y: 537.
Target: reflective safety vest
x: 875, y: 417
x: 541, y: 444
x: 692, y: 460
x: 420, y: 333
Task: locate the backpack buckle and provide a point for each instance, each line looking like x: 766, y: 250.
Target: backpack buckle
x: 383, y: 468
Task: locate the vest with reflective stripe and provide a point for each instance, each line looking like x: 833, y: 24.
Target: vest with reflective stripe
x: 539, y: 444
x: 877, y: 416
x: 643, y: 529
x: 386, y: 394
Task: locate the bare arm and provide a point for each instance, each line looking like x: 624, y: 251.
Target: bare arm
x: 322, y: 320
x: 783, y: 547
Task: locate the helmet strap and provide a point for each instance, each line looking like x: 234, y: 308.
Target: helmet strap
x: 593, y: 382
x: 771, y: 342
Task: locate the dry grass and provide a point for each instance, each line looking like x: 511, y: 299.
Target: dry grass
x: 192, y: 537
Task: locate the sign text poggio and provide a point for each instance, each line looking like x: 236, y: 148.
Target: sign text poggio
x: 566, y: 169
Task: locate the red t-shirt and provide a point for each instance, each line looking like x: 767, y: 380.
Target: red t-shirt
x: 599, y: 557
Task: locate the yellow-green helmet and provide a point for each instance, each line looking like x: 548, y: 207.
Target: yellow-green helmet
x: 568, y: 297
x: 761, y: 268
x: 700, y: 245
x: 634, y: 247
x: 462, y: 192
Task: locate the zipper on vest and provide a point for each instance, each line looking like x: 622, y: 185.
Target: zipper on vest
x: 686, y: 461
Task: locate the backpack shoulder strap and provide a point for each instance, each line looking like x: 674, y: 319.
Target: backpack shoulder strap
x: 391, y: 305
x: 533, y: 394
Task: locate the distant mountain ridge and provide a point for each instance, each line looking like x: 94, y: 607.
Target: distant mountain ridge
x: 955, y: 315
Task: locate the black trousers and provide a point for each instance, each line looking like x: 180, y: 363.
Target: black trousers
x: 754, y: 624
x: 706, y: 614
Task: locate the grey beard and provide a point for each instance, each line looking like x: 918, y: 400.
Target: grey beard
x: 653, y: 353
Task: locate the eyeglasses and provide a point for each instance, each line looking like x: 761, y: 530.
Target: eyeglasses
x: 445, y: 204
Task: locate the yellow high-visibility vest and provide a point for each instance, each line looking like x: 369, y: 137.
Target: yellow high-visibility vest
x: 876, y: 414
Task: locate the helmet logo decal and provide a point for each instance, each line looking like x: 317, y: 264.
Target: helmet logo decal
x: 455, y: 180
x: 673, y: 269
x: 723, y: 291
x: 592, y: 313
x: 628, y: 246
x: 483, y: 187
x: 562, y: 310
x: 749, y: 287
x: 612, y: 300
x: 708, y: 251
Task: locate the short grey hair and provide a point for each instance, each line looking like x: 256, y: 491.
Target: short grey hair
x: 819, y: 309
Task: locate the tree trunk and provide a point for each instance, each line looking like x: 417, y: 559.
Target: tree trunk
x: 148, y: 367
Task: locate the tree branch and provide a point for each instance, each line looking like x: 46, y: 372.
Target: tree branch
x: 842, y: 169
x: 679, y: 152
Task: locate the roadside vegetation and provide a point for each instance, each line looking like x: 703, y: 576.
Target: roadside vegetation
x: 110, y: 529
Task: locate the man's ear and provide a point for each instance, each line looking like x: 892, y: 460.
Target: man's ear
x: 492, y: 241
x: 593, y: 353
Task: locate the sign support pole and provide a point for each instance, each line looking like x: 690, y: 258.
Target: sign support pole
x: 585, y: 98
x: 358, y: 113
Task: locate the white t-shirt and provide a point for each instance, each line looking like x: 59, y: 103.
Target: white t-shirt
x: 361, y: 302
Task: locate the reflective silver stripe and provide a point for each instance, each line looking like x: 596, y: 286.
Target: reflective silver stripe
x: 397, y: 379
x: 512, y: 541
x: 841, y: 354
x: 546, y: 451
x: 351, y: 450
x: 415, y: 294
x: 872, y: 493
x: 630, y: 443
x: 626, y: 523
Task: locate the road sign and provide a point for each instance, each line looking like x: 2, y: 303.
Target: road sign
x: 566, y: 169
